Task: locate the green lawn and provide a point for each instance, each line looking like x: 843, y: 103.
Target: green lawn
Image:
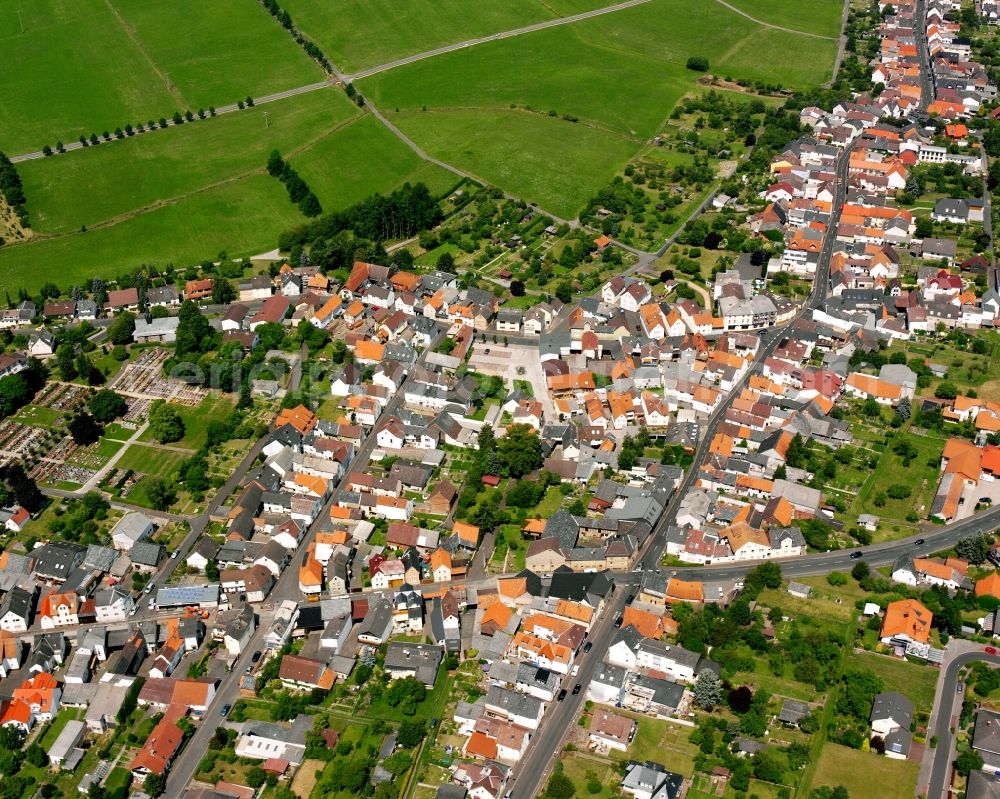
x: 814, y: 16
x: 150, y: 460
x: 920, y: 476
x: 357, y: 34
x: 38, y: 416
x: 916, y: 681
x: 547, y: 161
x: 218, y: 195
x: 866, y: 775
x: 347, y: 165
x: 214, y: 408
x: 620, y: 74
x: 169, y: 165
x: 235, y: 49
x: 73, y: 71
x: 243, y: 217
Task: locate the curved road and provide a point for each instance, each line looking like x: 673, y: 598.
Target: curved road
x: 942, y: 729
x: 742, y: 13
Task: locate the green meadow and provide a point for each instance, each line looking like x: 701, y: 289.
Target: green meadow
x: 550, y: 116
x: 814, y: 16
x: 235, y: 49
x: 358, y: 34
x: 73, y: 71
x: 122, y: 176
x: 85, y: 66
x: 508, y: 117
x: 544, y: 160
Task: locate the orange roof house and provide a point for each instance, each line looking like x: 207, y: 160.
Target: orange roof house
x: 649, y: 625
x: 468, y: 534
x: 496, y: 617
x: 159, y: 749
x: 481, y: 745
x: 685, y: 590
x: 368, y: 351
x: 299, y: 417
x: 963, y: 458
x: 989, y: 586
x: 907, y: 619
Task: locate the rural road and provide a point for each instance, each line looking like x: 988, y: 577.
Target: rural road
x: 763, y: 24
x: 493, y: 37
x: 225, y: 109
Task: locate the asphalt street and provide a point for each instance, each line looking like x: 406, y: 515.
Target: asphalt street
x: 286, y: 587
x: 950, y: 699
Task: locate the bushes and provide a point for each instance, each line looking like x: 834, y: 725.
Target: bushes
x: 697, y: 63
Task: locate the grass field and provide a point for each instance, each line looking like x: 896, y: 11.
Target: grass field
x: 129, y: 64
x: 349, y: 164
x: 40, y: 104
x: 357, y: 34
x: 547, y: 161
x: 815, y: 16
x: 619, y: 74
x: 150, y: 460
x: 235, y: 49
x: 217, y: 197
x: 865, y: 775
x: 123, y: 177
x: 913, y: 680
x: 213, y: 408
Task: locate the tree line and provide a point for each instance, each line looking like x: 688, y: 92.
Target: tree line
x: 12, y: 190
x: 285, y: 20
x: 404, y: 213
x: 298, y: 190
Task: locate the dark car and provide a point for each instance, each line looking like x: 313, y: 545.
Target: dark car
x: 576, y: 689
x: 630, y: 598
x: 588, y: 646
x: 857, y: 554
x: 619, y: 620
x: 918, y: 542
x: 256, y: 656
x: 225, y: 710
x: 562, y: 695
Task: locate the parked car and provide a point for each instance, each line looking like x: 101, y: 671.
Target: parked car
x: 225, y: 710
x: 256, y: 656
x: 562, y: 695
x: 588, y: 646
x: 991, y: 650
x: 619, y: 620
x: 576, y: 689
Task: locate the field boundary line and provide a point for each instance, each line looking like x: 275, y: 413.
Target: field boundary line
x: 137, y: 41
x: 763, y: 24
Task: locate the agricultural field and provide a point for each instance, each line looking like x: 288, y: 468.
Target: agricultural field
x: 567, y: 77
x: 128, y: 64
x: 358, y: 34
x: 812, y: 16
x: 206, y: 179
x: 165, y: 167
